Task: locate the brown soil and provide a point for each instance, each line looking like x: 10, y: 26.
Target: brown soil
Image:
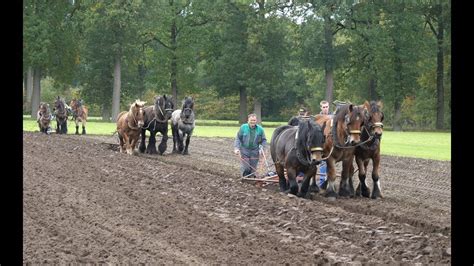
x: 85, y: 202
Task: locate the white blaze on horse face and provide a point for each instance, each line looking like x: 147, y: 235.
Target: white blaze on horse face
x: 316, y: 153
x: 140, y: 120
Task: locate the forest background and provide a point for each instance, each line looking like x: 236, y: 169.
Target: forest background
x: 237, y: 57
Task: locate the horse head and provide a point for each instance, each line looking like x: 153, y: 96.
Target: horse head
x: 310, y: 141
x: 163, y: 107
x: 136, y: 111
x: 44, y: 108
x: 187, y: 112
x: 373, y: 118
x: 349, y: 119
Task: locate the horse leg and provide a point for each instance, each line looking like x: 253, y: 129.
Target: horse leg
x: 313, y: 183
x: 65, y: 126
x: 163, y: 145
x: 188, y: 137
x: 281, y: 177
x: 345, y: 189
x: 151, y: 148
x: 331, y: 179
x: 164, y: 140
x: 83, y: 127
x: 121, y: 143
x: 127, y: 140
x: 77, y: 126
x: 133, y: 142
x: 305, y: 185
x: 180, y: 137
x: 377, y: 192
x: 362, y: 189
x: 291, y: 172
x: 174, y: 132
x: 142, y: 147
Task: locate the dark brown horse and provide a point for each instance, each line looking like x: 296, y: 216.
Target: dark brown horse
x: 370, y: 149
x: 43, y: 117
x: 342, y: 132
x: 297, y: 149
x: 60, y: 112
x: 156, y: 120
x: 79, y: 114
x: 129, y: 125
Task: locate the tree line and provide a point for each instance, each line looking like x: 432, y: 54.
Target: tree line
x: 236, y: 57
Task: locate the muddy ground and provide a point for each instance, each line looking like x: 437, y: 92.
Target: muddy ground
x: 85, y: 202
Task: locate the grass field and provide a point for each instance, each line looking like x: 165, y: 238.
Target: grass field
x: 427, y: 145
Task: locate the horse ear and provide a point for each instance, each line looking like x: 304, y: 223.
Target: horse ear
x: 164, y: 96
x: 351, y: 106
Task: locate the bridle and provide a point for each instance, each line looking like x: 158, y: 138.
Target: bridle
x: 134, y: 119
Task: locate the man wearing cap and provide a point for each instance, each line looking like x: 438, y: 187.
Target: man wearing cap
x: 303, y: 114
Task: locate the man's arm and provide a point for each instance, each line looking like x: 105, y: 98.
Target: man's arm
x: 237, y: 143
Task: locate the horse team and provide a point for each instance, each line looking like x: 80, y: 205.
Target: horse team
x: 61, y: 111
x: 134, y: 123
x: 131, y: 124
x: 354, y: 131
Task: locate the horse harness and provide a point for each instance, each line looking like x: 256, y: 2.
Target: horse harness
x: 135, y: 120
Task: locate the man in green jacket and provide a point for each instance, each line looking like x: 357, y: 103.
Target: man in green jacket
x: 249, y: 143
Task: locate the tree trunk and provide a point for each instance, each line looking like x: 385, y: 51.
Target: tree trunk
x: 440, y: 74
x: 258, y: 110
x: 36, y: 94
x: 105, y: 112
x: 396, y: 119
x: 329, y: 60
x: 174, y: 63
x: 28, y: 81
x: 329, y: 86
x: 372, y: 89
x: 116, y: 89
x: 243, y: 105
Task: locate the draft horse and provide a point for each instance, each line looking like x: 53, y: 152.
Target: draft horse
x: 298, y: 149
x: 182, y: 125
x: 342, y: 133
x: 60, y: 112
x: 370, y: 150
x: 155, y: 119
x: 79, y: 114
x: 129, y: 125
x: 43, y: 117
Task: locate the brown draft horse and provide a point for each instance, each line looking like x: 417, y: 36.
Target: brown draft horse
x: 79, y: 114
x: 129, y: 126
x: 43, y: 117
x: 342, y: 132
x: 370, y: 150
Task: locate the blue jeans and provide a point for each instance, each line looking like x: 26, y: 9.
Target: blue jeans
x: 323, y: 172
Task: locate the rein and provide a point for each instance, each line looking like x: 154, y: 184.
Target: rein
x: 156, y: 116
x: 371, y: 137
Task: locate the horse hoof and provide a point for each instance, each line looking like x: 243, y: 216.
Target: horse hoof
x: 314, y: 188
x: 330, y: 194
